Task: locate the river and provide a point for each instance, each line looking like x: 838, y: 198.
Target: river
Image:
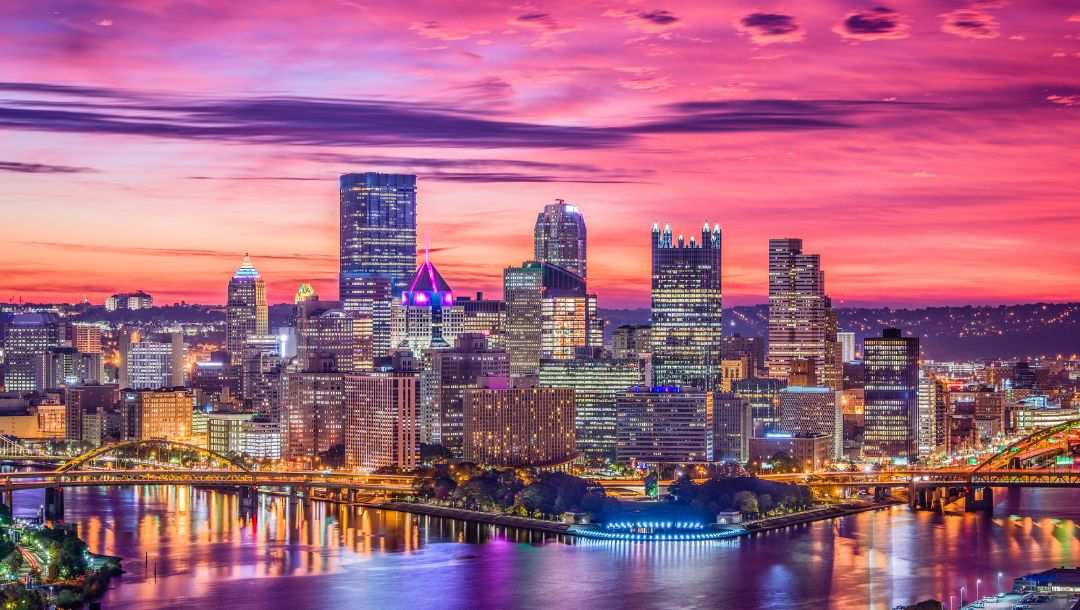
x: 198, y: 549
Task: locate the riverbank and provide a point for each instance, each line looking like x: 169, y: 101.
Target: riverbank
x: 815, y: 514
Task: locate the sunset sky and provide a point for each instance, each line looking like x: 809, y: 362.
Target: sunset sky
x: 930, y: 151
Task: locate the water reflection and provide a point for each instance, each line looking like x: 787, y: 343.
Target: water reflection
x: 199, y: 548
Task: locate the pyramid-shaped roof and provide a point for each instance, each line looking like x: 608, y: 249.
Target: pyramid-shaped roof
x: 246, y: 269
x: 428, y: 279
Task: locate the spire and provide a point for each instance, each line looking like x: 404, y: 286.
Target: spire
x: 246, y: 269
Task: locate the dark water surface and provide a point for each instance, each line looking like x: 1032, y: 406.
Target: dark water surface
x: 197, y: 549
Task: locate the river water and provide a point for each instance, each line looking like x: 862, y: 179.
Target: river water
x: 199, y: 549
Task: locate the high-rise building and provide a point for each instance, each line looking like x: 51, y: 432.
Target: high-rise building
x: 332, y: 337
x: 426, y: 317
x: 798, y: 307
x: 304, y: 293
x: 86, y: 337
x: 597, y: 379
x: 764, y: 397
x: 27, y: 338
x: 891, y: 396
x: 548, y: 314
x: 246, y: 310
x: 378, y: 246
x: 813, y: 411
x: 454, y: 371
x: 733, y: 426
x: 732, y: 370
x: 664, y: 425
x: 158, y: 414
x: 933, y: 416
x: 630, y: 341
x: 518, y: 426
x: 687, y: 309
x: 86, y: 399
x: 313, y: 414
x: 129, y: 300
x: 751, y: 348
x: 847, y: 345
x: 559, y: 237
x: 381, y: 420
x: 66, y: 366
x: 484, y: 316
x: 154, y: 364
x: 260, y: 380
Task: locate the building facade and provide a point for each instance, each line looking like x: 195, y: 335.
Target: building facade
x: 519, y: 426
x: 381, y: 421
x: 891, y: 396
x: 559, y: 237
x: 798, y: 314
x: 663, y: 425
x: 813, y: 411
x: 246, y: 312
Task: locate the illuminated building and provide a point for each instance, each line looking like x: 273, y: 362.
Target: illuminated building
x: 260, y: 380
x: 215, y: 380
x: 324, y: 331
x: 813, y: 411
x: 27, y: 338
x: 155, y: 364
x: 764, y: 397
x: 304, y: 294
x: 831, y: 372
x: 1034, y: 414
x: 732, y: 370
x: 454, y: 371
x: 378, y: 246
x: 750, y: 348
x: 157, y: 414
x: 313, y: 414
x: 803, y: 372
x: 847, y: 345
x: 484, y: 316
x: 597, y: 379
x: 798, y: 307
x: 65, y: 366
x: 733, y: 426
x: 559, y: 237
x: 246, y: 311
x: 933, y: 412
x: 86, y: 399
x: 262, y: 439
x: 548, y: 314
x: 630, y: 341
x: 129, y: 300
x: 381, y: 420
x: 687, y: 309
x: 891, y: 396
x: 810, y: 452
x: 86, y: 337
x: 663, y: 424
x: 225, y: 431
x: 518, y: 426
x: 51, y: 421
x: 426, y: 316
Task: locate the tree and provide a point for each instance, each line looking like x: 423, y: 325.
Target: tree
x: 537, y: 498
x: 746, y: 502
x: 651, y: 487
x: 683, y: 489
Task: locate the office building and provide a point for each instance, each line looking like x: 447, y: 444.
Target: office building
x: 381, y: 420
x: 597, y: 379
x: 453, y: 372
x: 847, y: 345
x: 225, y: 431
x: 86, y: 337
x: 28, y: 336
x: 733, y: 427
x: 86, y: 399
x: 260, y: 380
x: 763, y: 394
x: 933, y: 415
x: 129, y: 301
x: 66, y: 366
x: 630, y: 341
x: 663, y: 424
x: 687, y: 313
x: 798, y: 307
x: 732, y: 370
x: 809, y: 452
x: 484, y: 316
x: 559, y: 237
x: 246, y: 313
x: 333, y: 337
x: 891, y: 396
x: 152, y: 364
x: 752, y: 349
x: 313, y: 415
x: 813, y: 411
x: 378, y: 246
x: 157, y: 414
x: 426, y: 316
x: 261, y: 439
x: 518, y: 426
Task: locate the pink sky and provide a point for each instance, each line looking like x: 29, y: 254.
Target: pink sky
x: 927, y: 150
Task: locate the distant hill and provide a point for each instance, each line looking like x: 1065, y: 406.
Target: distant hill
x: 946, y: 333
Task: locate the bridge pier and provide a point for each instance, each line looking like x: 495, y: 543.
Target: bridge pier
x: 979, y: 499
x: 54, y: 504
x: 9, y: 500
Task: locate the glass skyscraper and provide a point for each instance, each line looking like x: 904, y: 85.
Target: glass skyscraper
x: 378, y: 246
x: 559, y: 237
x: 246, y: 311
x: 891, y: 396
x: 687, y: 308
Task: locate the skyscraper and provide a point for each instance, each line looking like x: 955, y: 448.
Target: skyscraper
x: 798, y: 308
x: 847, y: 345
x: 380, y: 420
x: 663, y: 425
x: 426, y: 317
x: 246, y: 311
x: 378, y: 246
x: 891, y: 396
x: 687, y: 309
x: 559, y: 237
x: 26, y: 340
x: 813, y: 411
x: 518, y: 426
x: 733, y: 426
x: 453, y: 371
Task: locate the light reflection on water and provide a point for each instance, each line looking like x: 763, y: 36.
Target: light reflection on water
x: 197, y: 548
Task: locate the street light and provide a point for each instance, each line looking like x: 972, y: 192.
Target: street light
x: 999, y: 582
x: 962, y: 597
x: 978, y: 581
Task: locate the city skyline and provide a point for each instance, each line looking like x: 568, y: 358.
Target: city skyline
x: 956, y: 187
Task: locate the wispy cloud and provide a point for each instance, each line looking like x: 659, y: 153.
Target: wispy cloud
x: 41, y: 168
x: 769, y: 28
x: 878, y: 23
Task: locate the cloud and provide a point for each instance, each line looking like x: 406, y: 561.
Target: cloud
x: 177, y: 252
x: 658, y: 17
x: 767, y: 28
x: 656, y: 20
x: 643, y: 78
x: 41, y: 168
x: 970, y: 23
x: 1064, y: 100
x: 878, y: 23
x: 550, y: 29
x: 761, y: 115
x: 437, y: 31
